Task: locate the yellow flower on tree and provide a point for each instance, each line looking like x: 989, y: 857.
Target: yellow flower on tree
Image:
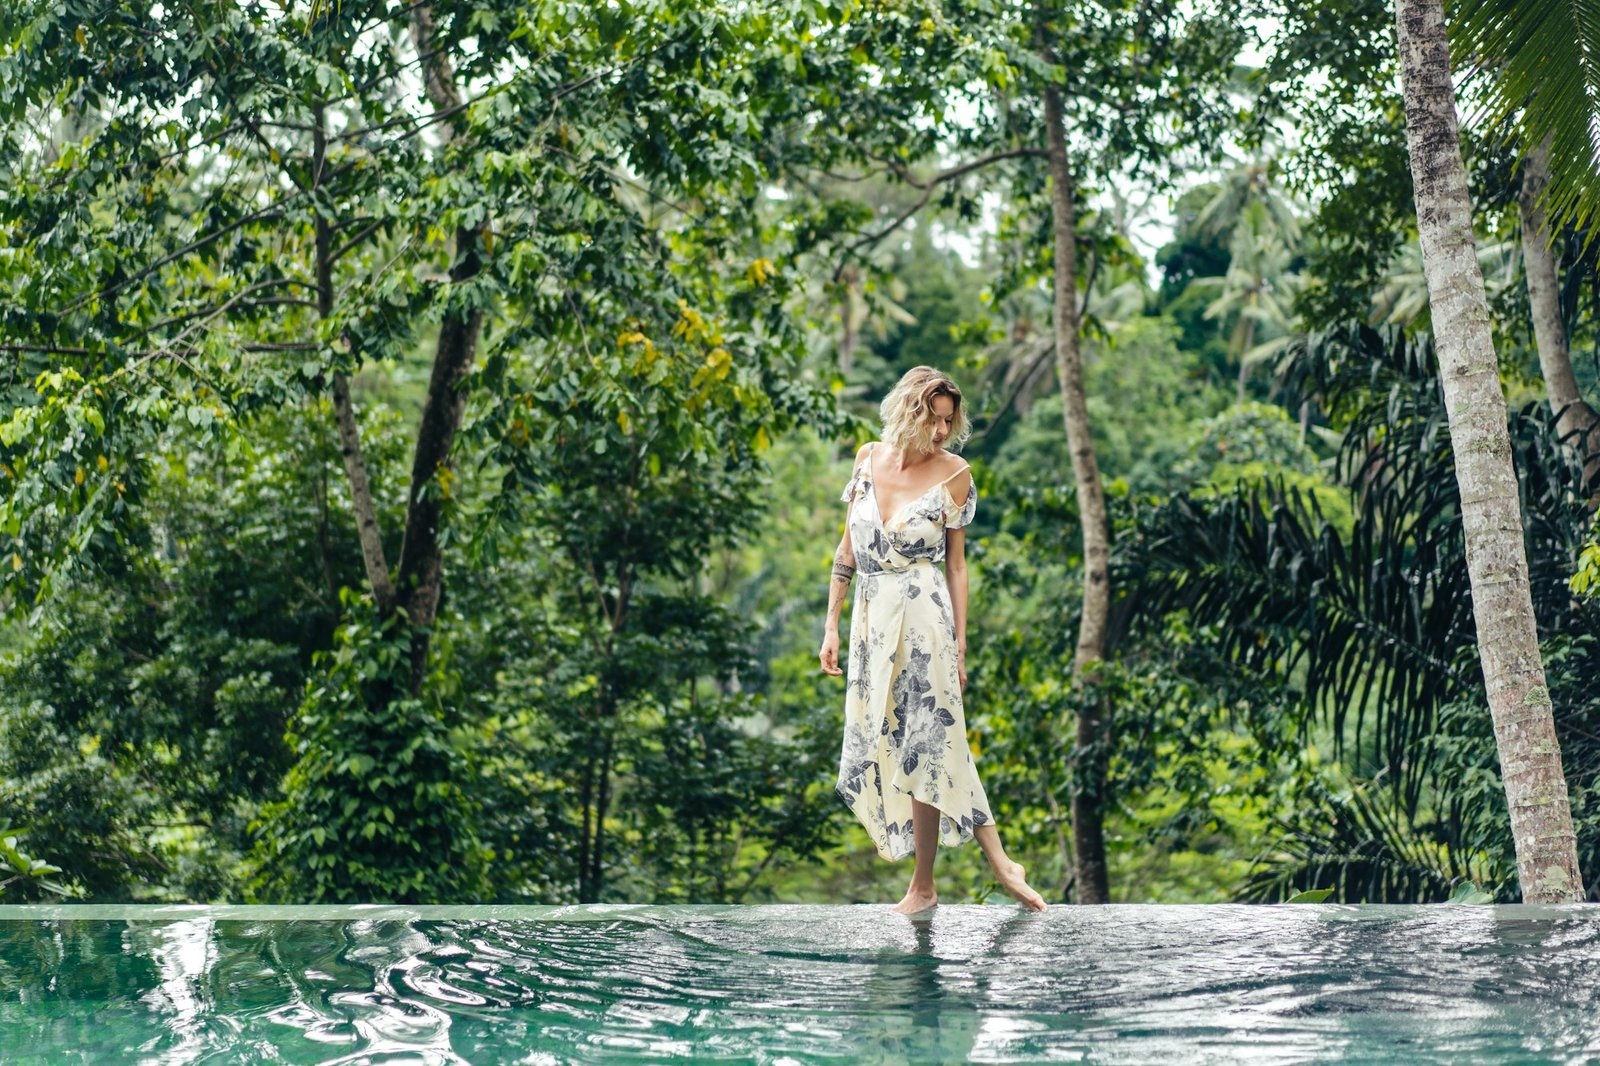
x: 760, y: 270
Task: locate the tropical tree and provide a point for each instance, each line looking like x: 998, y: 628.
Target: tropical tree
x: 1528, y: 86
x: 1370, y: 618
x: 1257, y: 292
x: 1088, y: 836
x: 1533, y: 66
x: 1575, y: 419
x: 1167, y: 42
x: 1519, y: 698
x: 257, y: 204
x: 1248, y: 185
x: 1402, y: 298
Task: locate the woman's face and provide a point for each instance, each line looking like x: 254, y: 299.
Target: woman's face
x: 944, y: 413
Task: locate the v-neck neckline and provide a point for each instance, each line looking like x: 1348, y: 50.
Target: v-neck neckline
x: 872, y: 483
x: 878, y: 511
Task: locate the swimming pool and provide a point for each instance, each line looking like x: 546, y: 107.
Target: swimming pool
x: 798, y: 984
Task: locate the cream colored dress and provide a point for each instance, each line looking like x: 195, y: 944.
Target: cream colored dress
x: 904, y: 731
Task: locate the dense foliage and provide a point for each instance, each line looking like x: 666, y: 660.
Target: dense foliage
x: 424, y: 428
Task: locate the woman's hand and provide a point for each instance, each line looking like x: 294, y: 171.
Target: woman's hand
x: 961, y: 668
x: 829, y: 655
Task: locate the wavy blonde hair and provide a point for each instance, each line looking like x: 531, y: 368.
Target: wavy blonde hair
x: 907, y: 412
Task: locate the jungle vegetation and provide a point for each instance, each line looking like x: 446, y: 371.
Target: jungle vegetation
x: 424, y: 426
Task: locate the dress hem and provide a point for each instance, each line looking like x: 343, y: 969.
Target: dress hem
x: 889, y: 854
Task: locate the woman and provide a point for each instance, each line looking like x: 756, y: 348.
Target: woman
x: 906, y: 769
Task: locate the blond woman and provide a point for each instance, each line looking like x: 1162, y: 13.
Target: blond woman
x: 906, y: 769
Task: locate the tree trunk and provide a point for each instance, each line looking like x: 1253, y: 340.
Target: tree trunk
x: 1247, y: 340
x: 355, y: 468
x: 586, y: 836
x: 1088, y: 837
x: 1068, y: 860
x: 1497, y: 565
x: 602, y: 803
x: 419, y: 579
x: 330, y: 579
x: 355, y: 464
x: 1575, y: 419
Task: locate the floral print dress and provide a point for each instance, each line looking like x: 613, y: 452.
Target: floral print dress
x: 905, y: 734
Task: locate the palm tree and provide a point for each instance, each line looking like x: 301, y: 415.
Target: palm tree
x: 1402, y: 299
x: 867, y: 303
x: 1508, y: 645
x: 1372, y: 619
x: 1247, y: 185
x: 1258, y: 289
x: 1536, y: 68
x: 1575, y: 419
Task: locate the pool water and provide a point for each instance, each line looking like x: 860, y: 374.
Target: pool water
x: 798, y: 984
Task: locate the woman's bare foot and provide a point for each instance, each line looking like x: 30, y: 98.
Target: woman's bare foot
x: 1010, y: 875
x: 916, y: 900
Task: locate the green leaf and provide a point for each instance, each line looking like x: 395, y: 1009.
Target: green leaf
x: 1310, y: 895
x: 1468, y: 893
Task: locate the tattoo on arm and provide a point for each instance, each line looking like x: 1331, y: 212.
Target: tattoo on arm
x: 844, y: 562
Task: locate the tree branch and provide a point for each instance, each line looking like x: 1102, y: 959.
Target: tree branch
x: 929, y: 186
x: 340, y: 252
x: 266, y: 213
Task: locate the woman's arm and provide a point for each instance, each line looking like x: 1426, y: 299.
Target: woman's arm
x: 844, y: 568
x: 844, y: 560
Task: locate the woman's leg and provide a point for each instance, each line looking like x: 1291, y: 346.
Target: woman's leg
x: 1007, y: 871
x: 925, y: 834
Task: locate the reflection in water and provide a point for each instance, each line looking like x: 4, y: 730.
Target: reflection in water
x: 798, y: 984
x: 182, y: 953
x: 913, y: 1003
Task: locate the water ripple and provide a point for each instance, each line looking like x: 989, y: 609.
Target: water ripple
x: 800, y: 985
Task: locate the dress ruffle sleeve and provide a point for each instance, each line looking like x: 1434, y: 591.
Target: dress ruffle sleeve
x: 849, y: 493
x: 956, y: 517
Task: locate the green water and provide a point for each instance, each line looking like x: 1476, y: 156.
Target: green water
x: 801, y: 984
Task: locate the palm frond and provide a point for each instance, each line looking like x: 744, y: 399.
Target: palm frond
x: 1366, y: 622
x: 1367, y: 851
x: 1374, y: 622
x: 1536, y: 65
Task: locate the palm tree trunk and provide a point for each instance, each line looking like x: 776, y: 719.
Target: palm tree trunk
x: 1088, y: 835
x: 1575, y: 419
x: 1247, y: 340
x: 1497, y: 565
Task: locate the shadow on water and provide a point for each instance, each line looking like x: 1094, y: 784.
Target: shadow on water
x: 1121, y: 984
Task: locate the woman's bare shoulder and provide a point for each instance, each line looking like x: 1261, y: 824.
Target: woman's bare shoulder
x: 957, y: 485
